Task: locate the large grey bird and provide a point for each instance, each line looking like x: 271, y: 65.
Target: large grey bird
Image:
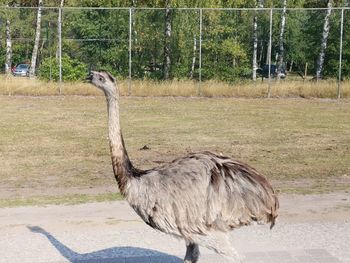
x: 199, y: 197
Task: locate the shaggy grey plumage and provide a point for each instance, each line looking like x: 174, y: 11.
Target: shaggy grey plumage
x: 199, y: 197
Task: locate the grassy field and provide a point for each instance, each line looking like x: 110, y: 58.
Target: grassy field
x: 248, y: 89
x: 55, y: 149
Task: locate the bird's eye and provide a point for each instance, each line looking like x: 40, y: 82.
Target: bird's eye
x: 100, y: 79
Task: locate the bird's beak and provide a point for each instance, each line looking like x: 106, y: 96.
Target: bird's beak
x: 89, y: 77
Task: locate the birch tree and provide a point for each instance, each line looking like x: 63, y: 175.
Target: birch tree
x: 61, y: 6
x: 134, y: 5
x: 326, y: 28
x: 59, y: 46
x: 8, y: 62
x: 36, y: 41
x: 167, y: 42
x: 281, y: 39
x: 59, y: 28
x: 194, y: 55
x: 259, y: 4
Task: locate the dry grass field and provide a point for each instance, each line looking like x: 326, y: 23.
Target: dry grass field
x: 285, y: 88
x: 54, y: 149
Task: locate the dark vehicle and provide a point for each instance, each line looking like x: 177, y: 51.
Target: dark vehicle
x: 264, y: 71
x: 21, y: 70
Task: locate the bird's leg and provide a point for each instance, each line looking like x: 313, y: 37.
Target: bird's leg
x: 192, y: 252
x: 220, y: 243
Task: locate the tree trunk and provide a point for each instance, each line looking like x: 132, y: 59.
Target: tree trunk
x: 59, y: 29
x: 261, y: 55
x: 326, y: 28
x: 59, y: 24
x: 305, y: 71
x: 41, y: 49
x: 134, y: 5
x: 255, y: 47
x: 8, y: 63
x: 36, y: 41
x: 255, y: 40
x: 193, y: 57
x: 281, y: 52
x: 167, y: 35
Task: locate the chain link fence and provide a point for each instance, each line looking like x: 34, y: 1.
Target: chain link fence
x: 199, y: 44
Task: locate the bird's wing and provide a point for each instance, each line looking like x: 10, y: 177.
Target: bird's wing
x: 203, y: 191
x: 238, y: 195
x: 172, y: 198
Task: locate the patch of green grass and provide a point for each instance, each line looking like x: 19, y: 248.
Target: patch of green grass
x: 60, y: 200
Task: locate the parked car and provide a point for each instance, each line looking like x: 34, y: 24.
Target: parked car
x: 264, y: 71
x: 21, y: 70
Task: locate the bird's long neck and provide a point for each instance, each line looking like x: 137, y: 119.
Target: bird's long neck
x: 122, y: 166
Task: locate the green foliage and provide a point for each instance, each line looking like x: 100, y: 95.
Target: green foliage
x: 110, y: 26
x: 72, y: 69
x: 99, y: 38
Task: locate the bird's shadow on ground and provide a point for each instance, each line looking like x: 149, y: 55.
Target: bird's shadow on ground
x: 114, y: 254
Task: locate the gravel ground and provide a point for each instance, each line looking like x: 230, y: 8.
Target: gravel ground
x: 111, y: 232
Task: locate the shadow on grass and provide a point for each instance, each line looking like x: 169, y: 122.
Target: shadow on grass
x: 109, y: 255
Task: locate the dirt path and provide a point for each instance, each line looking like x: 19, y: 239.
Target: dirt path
x: 312, y: 227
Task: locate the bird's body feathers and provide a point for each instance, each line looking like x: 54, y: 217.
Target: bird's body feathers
x: 202, y: 192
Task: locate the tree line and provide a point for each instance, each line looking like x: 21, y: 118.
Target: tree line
x: 166, y: 42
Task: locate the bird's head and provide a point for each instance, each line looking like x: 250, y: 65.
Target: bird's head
x: 104, y: 81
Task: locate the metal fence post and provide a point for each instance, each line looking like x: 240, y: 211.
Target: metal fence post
x: 340, y: 52
x: 60, y: 48
x: 270, y: 51
x: 200, y: 51
x: 48, y: 37
x: 130, y: 42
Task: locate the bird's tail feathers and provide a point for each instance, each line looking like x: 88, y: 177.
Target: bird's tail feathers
x: 274, y: 215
